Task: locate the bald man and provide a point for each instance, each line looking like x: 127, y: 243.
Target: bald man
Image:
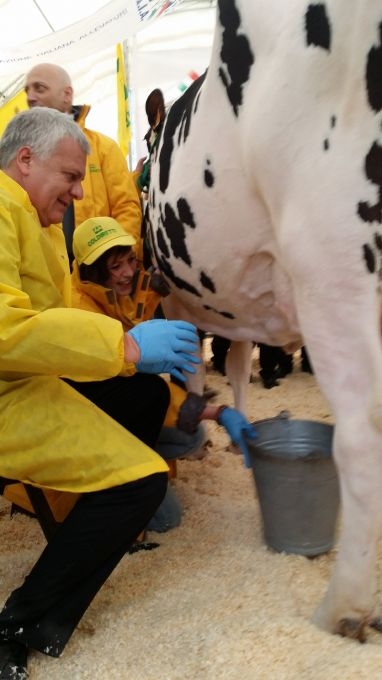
x: 109, y: 188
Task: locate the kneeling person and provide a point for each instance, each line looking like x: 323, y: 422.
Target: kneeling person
x: 67, y: 443
x: 107, y: 279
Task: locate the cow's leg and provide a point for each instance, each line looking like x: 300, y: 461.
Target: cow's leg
x: 350, y: 601
x: 349, y: 604
x: 343, y: 339
x: 238, y: 370
x: 196, y: 381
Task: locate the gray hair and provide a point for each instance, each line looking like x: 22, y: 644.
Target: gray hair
x: 40, y: 128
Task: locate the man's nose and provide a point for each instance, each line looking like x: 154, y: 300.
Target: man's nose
x: 77, y: 191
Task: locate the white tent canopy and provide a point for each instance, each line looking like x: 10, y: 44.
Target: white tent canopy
x: 164, y: 41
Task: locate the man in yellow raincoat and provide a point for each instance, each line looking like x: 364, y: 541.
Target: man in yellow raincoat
x: 52, y: 436
x: 109, y: 187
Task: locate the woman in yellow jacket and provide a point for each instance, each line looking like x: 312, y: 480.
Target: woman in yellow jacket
x: 107, y: 279
x: 131, y: 303
x: 51, y: 436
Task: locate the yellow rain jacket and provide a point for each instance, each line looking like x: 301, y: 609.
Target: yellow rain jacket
x: 130, y: 310
x: 109, y: 186
x: 51, y: 435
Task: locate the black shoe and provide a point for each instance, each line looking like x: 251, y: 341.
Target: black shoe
x: 268, y: 383
x: 305, y: 363
x: 13, y: 660
x: 282, y: 371
x: 140, y: 545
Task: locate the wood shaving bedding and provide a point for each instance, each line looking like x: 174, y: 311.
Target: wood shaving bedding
x: 212, y: 602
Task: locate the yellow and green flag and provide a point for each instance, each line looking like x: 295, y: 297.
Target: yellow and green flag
x: 124, y: 125
x: 10, y: 108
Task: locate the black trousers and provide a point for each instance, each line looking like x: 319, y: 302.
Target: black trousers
x: 88, y: 545
x: 271, y: 358
x: 136, y: 402
x: 219, y: 348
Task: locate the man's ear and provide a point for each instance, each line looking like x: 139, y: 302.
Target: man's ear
x: 23, y: 160
x: 68, y: 95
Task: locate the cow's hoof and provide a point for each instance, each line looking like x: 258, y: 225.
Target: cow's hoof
x: 352, y: 628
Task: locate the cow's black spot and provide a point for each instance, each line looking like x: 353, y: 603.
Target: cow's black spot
x: 374, y: 75
x: 176, y: 234
x: 207, y: 282
x: 227, y: 315
x: 146, y: 230
x: 369, y: 257
x: 378, y: 241
x: 317, y: 26
x: 373, y: 171
x: 369, y: 213
x: 174, y: 226
x: 167, y: 270
x: 152, y: 197
x: 161, y: 241
x: 164, y: 266
x: 332, y: 124
x: 185, y: 212
x: 184, y: 129
x: 196, y: 100
x: 180, y: 111
x: 209, y: 179
x: 236, y: 54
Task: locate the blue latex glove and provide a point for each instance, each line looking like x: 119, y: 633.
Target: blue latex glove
x: 238, y: 428
x: 167, y: 347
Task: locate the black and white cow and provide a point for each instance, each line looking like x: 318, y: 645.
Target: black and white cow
x: 266, y: 208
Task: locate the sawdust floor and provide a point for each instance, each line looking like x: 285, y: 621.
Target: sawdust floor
x: 212, y: 602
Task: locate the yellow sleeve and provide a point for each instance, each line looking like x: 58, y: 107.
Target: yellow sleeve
x: 145, y: 299
x: 123, y: 197
x: 81, y: 300
x: 38, y: 335
x: 177, y: 397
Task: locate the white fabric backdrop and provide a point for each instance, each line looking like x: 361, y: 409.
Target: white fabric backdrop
x: 71, y: 30
x: 162, y: 49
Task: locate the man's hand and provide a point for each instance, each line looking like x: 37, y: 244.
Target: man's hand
x: 166, y: 347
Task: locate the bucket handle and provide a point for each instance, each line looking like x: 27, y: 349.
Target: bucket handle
x: 283, y: 415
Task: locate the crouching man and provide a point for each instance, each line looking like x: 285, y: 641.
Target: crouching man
x: 103, y: 449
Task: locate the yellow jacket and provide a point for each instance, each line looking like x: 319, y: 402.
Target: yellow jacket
x: 129, y: 311
x: 109, y: 187
x: 50, y: 434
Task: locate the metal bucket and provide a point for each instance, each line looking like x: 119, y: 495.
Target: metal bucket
x: 297, y: 484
